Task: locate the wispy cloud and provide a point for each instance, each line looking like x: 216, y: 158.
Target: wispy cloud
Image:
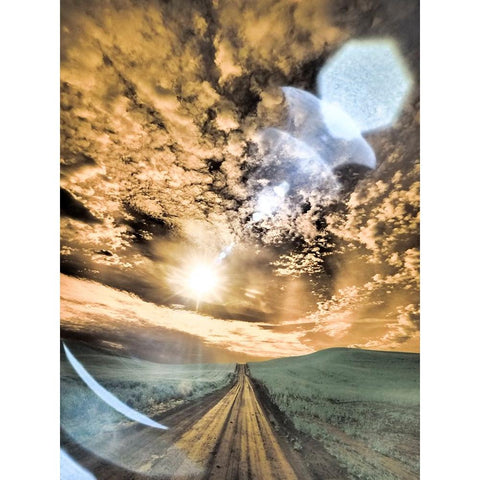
x: 86, y: 304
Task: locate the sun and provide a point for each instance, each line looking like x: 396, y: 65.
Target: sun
x: 202, y: 280
x: 198, y: 277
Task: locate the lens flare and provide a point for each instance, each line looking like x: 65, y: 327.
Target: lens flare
x: 368, y: 79
x: 224, y: 253
x: 71, y: 470
x: 202, y: 280
x: 200, y: 275
x: 327, y: 129
x: 108, y: 397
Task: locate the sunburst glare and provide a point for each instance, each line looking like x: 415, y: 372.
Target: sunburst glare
x: 199, y: 278
x: 202, y: 280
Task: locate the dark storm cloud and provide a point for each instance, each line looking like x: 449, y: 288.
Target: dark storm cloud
x: 71, y: 207
x: 161, y: 105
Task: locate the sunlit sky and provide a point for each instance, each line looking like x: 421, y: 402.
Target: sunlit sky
x: 174, y: 245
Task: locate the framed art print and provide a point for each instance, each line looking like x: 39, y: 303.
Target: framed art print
x: 239, y: 190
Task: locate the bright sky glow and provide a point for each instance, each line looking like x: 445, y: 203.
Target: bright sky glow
x: 202, y: 280
x: 87, y: 299
x: 369, y: 80
x: 107, y: 397
x: 270, y: 200
x: 281, y: 190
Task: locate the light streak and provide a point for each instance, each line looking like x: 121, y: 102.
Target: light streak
x: 107, y: 397
x: 71, y: 470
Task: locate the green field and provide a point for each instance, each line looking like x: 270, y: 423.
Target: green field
x: 363, y: 405
x: 151, y: 388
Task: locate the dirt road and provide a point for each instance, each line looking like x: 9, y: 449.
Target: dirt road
x: 225, y: 436
x: 247, y: 448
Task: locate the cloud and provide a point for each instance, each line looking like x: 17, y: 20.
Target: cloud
x: 376, y: 262
x: 152, y: 119
x: 161, y: 105
x: 88, y: 305
x: 71, y: 207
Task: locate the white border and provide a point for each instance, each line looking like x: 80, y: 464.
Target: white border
x: 29, y: 39
x: 450, y: 239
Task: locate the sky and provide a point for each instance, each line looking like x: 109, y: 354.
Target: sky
x: 162, y: 109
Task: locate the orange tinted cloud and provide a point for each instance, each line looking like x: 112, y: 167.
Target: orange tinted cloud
x: 85, y: 303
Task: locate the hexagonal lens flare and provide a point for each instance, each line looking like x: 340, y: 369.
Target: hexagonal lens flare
x: 368, y: 80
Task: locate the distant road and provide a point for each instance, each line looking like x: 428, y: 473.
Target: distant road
x: 236, y: 440
x: 224, y: 436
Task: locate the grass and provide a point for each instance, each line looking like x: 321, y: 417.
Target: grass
x: 354, y: 401
x: 148, y: 387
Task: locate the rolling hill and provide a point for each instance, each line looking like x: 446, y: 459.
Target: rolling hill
x: 362, y: 405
